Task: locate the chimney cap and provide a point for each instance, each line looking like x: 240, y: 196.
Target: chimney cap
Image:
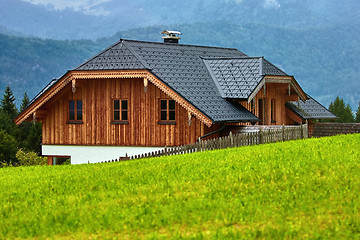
x: 171, y: 33
x: 171, y: 36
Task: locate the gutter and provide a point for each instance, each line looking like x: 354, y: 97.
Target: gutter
x: 211, y: 133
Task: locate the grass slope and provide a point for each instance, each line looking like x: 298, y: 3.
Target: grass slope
x: 299, y: 189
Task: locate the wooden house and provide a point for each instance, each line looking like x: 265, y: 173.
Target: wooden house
x: 135, y: 97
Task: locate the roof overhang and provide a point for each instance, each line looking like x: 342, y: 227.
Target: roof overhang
x: 72, y: 76
x: 279, y: 79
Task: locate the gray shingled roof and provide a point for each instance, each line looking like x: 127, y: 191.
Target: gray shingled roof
x: 238, y: 77
x: 271, y: 69
x: 310, y: 109
x: 179, y: 66
x: 235, y: 77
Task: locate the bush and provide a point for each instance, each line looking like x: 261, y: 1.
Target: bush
x: 29, y: 158
x: 8, y: 148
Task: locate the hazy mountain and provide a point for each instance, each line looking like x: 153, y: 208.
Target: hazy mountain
x: 323, y: 60
x: 317, y: 41
x: 106, y: 17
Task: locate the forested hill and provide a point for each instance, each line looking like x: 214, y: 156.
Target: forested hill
x: 323, y: 59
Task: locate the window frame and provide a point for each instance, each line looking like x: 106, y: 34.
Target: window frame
x: 120, y: 110
x: 167, y: 110
x: 76, y: 112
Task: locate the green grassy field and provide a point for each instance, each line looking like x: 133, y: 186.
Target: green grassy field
x: 298, y: 189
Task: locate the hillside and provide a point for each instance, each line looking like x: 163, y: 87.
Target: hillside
x: 29, y: 64
x: 88, y: 19
x: 323, y: 59
x: 298, y: 189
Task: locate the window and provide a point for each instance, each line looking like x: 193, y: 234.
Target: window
x: 75, y: 111
x: 120, y: 107
x: 273, y: 112
x: 167, y: 111
x: 261, y: 110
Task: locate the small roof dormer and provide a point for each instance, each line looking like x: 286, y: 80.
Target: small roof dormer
x: 171, y: 36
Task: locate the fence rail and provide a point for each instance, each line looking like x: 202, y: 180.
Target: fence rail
x: 261, y: 135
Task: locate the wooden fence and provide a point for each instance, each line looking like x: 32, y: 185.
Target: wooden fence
x: 261, y: 135
x: 331, y: 129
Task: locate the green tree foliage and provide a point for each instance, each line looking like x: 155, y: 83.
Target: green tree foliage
x: 33, y: 140
x: 26, y: 136
x: 29, y: 158
x: 8, y: 148
x: 342, y: 111
x: 7, y: 124
x: 24, y: 102
x: 357, y: 117
x: 8, y: 103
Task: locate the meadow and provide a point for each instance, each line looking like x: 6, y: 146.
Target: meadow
x: 298, y: 189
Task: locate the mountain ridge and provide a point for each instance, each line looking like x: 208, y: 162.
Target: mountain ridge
x: 323, y: 60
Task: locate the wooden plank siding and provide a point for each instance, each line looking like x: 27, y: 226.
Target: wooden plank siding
x: 280, y: 93
x: 143, y: 116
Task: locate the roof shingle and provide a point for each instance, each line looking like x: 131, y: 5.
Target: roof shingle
x: 180, y: 67
x: 310, y: 109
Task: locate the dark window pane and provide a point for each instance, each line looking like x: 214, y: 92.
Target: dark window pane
x: 124, y: 115
x: 124, y: 105
x: 116, y: 104
x: 163, y: 104
x: 71, y: 115
x: 171, y: 115
x: 163, y: 115
x: 116, y: 115
x: 171, y: 104
x: 79, y: 115
x: 79, y: 105
x: 71, y: 105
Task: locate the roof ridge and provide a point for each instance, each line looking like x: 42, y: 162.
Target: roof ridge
x: 219, y: 88
x: 82, y: 64
x: 178, y: 44
x: 261, y: 66
x: 229, y: 58
x: 137, y: 56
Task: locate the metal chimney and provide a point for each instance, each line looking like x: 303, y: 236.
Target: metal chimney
x: 171, y: 36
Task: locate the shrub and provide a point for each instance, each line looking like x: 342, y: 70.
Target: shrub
x: 29, y: 158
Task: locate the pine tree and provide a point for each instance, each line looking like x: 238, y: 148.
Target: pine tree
x: 357, y: 118
x: 8, y: 103
x: 24, y: 102
x: 8, y: 149
x: 342, y: 111
x: 33, y: 141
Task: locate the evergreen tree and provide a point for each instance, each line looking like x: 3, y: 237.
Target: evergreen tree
x: 8, y: 103
x: 7, y: 124
x: 357, y: 118
x: 33, y: 140
x: 342, y: 111
x: 8, y: 149
x: 24, y: 102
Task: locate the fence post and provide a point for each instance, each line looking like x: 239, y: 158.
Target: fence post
x: 261, y: 136
x: 301, y: 130
x: 283, y: 132
x: 231, y: 139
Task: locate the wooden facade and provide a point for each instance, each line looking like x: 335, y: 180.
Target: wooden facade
x: 269, y: 103
x: 143, y: 127
x: 143, y: 92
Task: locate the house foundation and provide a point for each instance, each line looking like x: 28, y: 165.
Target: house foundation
x: 91, y: 154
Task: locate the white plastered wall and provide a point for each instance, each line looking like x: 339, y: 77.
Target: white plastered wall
x: 94, y: 154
